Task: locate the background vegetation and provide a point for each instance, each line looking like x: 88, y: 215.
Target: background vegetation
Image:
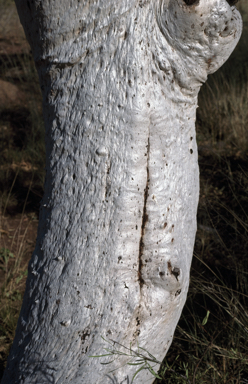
x: 210, y: 344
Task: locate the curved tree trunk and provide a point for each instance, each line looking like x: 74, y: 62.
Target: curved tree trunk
x: 118, y: 219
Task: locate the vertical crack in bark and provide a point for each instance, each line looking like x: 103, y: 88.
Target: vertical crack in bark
x: 144, y: 220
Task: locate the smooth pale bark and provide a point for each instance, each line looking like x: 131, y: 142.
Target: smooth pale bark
x: 120, y: 81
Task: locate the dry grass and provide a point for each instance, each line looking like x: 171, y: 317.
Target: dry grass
x: 17, y: 236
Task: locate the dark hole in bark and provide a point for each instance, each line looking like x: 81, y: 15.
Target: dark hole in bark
x: 177, y: 292
x: 232, y: 2
x: 191, y: 2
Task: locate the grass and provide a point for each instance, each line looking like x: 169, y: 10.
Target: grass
x: 210, y: 343
x: 22, y: 147
x: 13, y: 273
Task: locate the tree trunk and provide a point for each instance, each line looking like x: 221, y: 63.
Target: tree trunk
x: 120, y: 81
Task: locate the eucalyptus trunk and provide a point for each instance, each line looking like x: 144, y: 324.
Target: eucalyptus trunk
x: 117, y: 224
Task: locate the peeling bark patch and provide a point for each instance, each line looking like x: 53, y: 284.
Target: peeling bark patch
x: 209, y: 62
x: 144, y: 220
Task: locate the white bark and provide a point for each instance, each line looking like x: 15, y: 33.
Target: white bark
x: 120, y: 81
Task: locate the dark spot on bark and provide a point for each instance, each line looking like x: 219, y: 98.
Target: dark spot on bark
x: 125, y: 36
x: 173, y: 271
x: 172, y: 240
x: 177, y: 292
x: 165, y: 225
x: 191, y: 151
x: 176, y: 272
x: 137, y: 321
x: 119, y: 259
x: 74, y: 176
x: 162, y: 273
x: 88, y: 306
x: 85, y: 333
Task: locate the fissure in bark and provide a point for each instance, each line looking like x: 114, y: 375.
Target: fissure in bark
x: 144, y: 218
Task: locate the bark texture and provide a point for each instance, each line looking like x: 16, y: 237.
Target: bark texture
x: 120, y: 81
